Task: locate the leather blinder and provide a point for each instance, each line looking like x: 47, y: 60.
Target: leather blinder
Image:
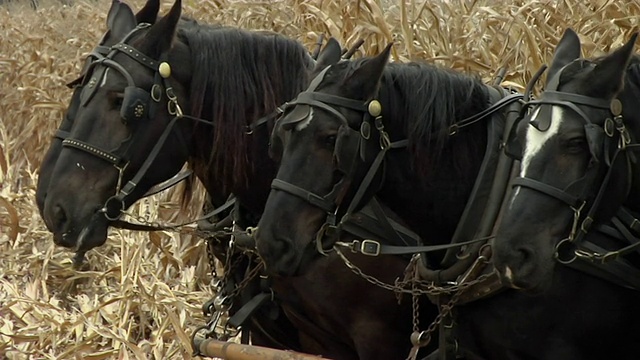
x: 347, y: 149
x: 135, y: 104
x: 595, y: 140
x: 293, y: 115
x: 542, y: 121
x: 276, y: 145
x: 513, y: 146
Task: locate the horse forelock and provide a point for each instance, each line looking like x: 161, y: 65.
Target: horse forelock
x: 238, y: 76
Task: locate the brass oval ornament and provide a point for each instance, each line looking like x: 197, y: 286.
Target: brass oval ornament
x: 165, y: 69
x: 375, y: 109
x: 609, y: 127
x: 616, y: 107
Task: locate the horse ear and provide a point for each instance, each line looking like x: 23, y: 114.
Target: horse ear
x: 364, y: 80
x: 567, y: 50
x: 160, y: 35
x: 120, y: 19
x: 608, y: 76
x: 329, y: 55
x: 149, y: 13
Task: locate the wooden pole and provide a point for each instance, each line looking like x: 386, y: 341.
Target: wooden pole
x: 234, y: 351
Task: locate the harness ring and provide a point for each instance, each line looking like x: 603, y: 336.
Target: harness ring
x: 565, y: 251
x: 106, y: 209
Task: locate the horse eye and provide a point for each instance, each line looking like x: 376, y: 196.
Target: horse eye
x: 330, y: 140
x: 117, y: 101
x: 576, y: 144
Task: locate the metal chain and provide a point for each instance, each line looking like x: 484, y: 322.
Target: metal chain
x: 444, y: 311
x: 419, y: 338
x: 212, y: 259
x: 186, y: 228
x: 415, y: 307
x: 229, y: 267
x: 218, y: 283
x: 426, y: 288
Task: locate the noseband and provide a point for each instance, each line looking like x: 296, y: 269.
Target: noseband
x: 583, y: 194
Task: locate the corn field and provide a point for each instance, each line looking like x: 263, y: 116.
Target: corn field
x: 141, y: 295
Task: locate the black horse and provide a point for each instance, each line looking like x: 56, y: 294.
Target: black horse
x: 577, y: 164
x: 428, y: 185
x: 577, y: 194
x: 95, y: 105
x: 126, y: 104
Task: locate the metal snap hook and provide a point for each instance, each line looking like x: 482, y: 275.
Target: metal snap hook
x: 319, y: 236
x: 385, y: 141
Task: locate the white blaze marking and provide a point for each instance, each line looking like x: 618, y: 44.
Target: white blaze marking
x: 104, y: 77
x: 536, y: 139
x: 509, y: 275
x: 304, y: 123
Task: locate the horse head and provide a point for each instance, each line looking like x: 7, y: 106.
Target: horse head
x: 129, y: 100
x: 326, y: 140
x: 576, y: 166
x: 118, y: 10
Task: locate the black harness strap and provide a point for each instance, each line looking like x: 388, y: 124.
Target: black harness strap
x: 168, y: 183
x: 484, y: 203
x: 634, y: 246
x: 248, y: 309
x: 121, y: 224
x: 562, y: 195
x: 366, y: 224
x: 494, y: 108
x: 310, y: 197
x: 107, y: 156
x: 375, y: 248
x: 629, y: 219
x: 136, y: 55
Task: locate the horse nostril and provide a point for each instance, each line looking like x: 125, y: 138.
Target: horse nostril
x: 525, y: 255
x: 59, y: 217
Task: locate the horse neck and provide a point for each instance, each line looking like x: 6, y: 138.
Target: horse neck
x: 253, y: 192
x: 431, y: 194
x: 430, y: 205
x: 257, y: 74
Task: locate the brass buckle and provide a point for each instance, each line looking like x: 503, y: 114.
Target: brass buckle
x: 370, y: 247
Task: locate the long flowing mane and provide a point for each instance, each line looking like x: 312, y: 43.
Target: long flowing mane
x: 239, y: 76
x: 424, y: 101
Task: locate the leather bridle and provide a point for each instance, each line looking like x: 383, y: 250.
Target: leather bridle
x: 608, y: 140
x: 350, y: 144
x: 138, y: 105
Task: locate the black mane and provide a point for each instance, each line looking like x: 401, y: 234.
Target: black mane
x: 424, y: 101
x: 239, y: 76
